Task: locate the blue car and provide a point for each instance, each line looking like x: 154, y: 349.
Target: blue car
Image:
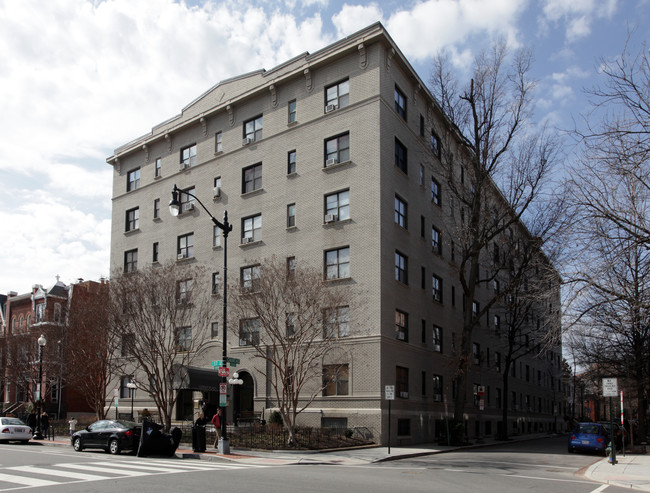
x: 589, y: 437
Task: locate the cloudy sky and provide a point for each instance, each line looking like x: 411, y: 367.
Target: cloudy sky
x: 81, y: 77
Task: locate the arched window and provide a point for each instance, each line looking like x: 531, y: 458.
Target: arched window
x: 21, y: 325
x: 13, y: 325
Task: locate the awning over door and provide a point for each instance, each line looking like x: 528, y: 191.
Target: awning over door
x: 204, y: 379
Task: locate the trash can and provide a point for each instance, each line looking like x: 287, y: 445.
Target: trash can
x: 198, y: 438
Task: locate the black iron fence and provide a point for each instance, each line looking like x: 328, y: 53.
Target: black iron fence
x: 270, y: 437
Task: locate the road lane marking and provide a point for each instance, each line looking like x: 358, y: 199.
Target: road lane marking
x: 105, y: 470
x: 56, y: 472
x: 26, y: 481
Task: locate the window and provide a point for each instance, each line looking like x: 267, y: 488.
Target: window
x: 497, y: 324
x: 291, y: 215
x: 400, y: 103
x: 155, y: 252
x: 437, y: 339
x: 291, y: 267
x: 157, y: 173
x: 251, y: 228
x: 156, y: 209
x: 401, y: 268
x: 337, y: 206
x: 435, y: 144
x: 218, y: 142
x: 476, y: 353
x: 132, y: 219
x: 216, y: 236
x: 249, y: 332
x: 436, y: 287
x: 475, y: 309
x: 184, y: 290
x: 128, y: 341
x: 251, y: 178
x: 401, y: 326
x: 40, y: 314
x: 423, y: 332
x: 337, y: 322
x: 291, y: 162
x: 337, y: 263
x: 421, y: 126
x: 421, y: 175
x: 290, y: 324
x: 437, y: 388
x: 125, y: 391
x: 187, y: 200
x: 435, y: 191
x: 424, y: 383
x: 133, y: 180
x: 421, y: 226
x: 291, y: 107
x: 337, y: 96
x: 216, y: 283
x: 423, y: 273
x: 400, y: 156
x: 185, y: 246
x: 249, y: 278
x: 216, y: 191
x: 337, y: 149
x: 436, y: 244
x: 214, y: 330
x: 131, y: 260
x: 335, y: 379
x: 184, y: 338
x: 188, y: 156
x: 400, y: 212
x: 253, y: 130
x: 402, y: 382
x: 497, y: 288
x: 57, y: 313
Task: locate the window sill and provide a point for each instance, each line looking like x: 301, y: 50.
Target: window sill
x: 157, y: 220
x: 292, y: 124
x: 185, y: 259
x: 218, y: 153
x: 132, y: 232
x: 254, y: 192
x: 292, y: 228
x: 292, y: 175
x: 338, y: 280
x: 337, y: 165
x: 217, y: 247
x: 157, y: 177
x: 244, y: 245
x: 334, y: 223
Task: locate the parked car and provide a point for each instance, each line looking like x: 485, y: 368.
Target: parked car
x: 14, y: 430
x: 589, y: 437
x: 110, y: 435
x: 620, y: 434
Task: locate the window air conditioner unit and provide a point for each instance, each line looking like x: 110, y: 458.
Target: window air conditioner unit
x: 188, y: 207
x: 437, y: 397
x: 404, y: 395
x: 436, y: 347
x: 181, y: 256
x: 247, y: 141
x: 216, y: 192
x: 330, y: 107
x: 185, y: 165
x: 331, y: 161
x: 247, y: 240
x: 330, y: 218
x: 401, y: 335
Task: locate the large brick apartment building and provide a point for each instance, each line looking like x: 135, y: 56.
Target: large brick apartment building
x: 330, y: 159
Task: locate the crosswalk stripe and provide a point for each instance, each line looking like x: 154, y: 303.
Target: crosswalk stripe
x: 56, y: 472
x: 180, y: 467
x: 27, y: 481
x: 106, y: 470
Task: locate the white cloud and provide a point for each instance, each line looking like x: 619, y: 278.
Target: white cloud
x: 352, y: 18
x: 578, y: 15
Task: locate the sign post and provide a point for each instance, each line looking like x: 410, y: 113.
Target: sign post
x: 610, y: 389
x: 390, y: 396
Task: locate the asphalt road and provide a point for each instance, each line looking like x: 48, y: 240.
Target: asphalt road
x: 534, y: 466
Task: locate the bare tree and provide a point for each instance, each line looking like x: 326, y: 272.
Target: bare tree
x: 162, y: 317
x: 90, y: 359
x: 295, y: 323
x: 611, y: 306
x: 493, y: 145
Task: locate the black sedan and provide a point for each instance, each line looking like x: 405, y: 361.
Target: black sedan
x: 110, y: 435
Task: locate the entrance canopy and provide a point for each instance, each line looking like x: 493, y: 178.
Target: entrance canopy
x: 202, y: 379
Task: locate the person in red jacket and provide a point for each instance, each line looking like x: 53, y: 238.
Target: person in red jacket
x: 216, y: 421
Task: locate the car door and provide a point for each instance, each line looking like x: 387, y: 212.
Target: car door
x: 92, y: 437
x: 106, y: 433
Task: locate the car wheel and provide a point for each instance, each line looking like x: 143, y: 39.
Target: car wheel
x: 114, y: 447
x: 76, y: 445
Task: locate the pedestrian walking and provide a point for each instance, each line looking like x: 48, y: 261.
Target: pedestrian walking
x: 45, y: 424
x: 31, y: 421
x: 73, y: 424
x: 216, y: 421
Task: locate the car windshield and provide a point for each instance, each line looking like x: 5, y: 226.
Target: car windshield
x: 589, y: 429
x: 12, y: 421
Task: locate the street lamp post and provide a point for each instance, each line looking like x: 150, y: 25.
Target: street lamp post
x: 38, y: 434
x: 132, y: 386
x: 225, y: 227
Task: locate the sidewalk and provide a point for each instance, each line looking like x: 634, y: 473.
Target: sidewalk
x: 631, y: 471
